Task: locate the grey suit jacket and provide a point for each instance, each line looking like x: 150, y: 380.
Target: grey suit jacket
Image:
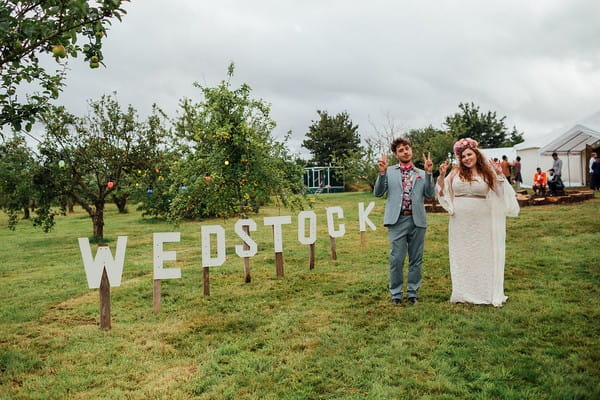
x: 391, y: 183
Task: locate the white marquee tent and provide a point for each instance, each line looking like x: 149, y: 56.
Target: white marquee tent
x: 572, y: 142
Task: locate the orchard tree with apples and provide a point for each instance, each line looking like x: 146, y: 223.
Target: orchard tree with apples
x: 31, y: 29
x: 228, y: 163
x: 91, y: 158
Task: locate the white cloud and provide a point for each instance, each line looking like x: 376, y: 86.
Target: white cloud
x: 535, y: 62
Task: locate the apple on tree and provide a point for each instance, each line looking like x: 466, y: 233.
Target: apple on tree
x: 59, y: 51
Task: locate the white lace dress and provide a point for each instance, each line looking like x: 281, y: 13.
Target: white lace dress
x: 476, y: 238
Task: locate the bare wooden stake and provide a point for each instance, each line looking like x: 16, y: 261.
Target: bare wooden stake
x: 206, y: 281
x: 279, y: 264
x: 105, y: 302
x: 332, y: 245
x: 247, y: 259
x: 278, y: 259
x: 311, y: 256
x: 156, y: 296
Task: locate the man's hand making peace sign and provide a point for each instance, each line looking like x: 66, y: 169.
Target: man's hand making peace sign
x: 383, y: 163
x: 428, y: 163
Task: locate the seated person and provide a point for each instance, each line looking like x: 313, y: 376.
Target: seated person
x: 539, y: 182
x: 555, y: 184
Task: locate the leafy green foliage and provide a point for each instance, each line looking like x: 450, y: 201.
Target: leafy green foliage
x: 489, y: 130
x: 431, y: 140
x: 360, y: 166
x: 30, y: 29
x: 228, y: 162
x: 17, y: 166
x: 332, y: 138
x: 91, y: 158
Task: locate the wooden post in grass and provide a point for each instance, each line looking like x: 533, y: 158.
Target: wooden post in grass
x: 206, y: 281
x: 278, y: 260
x: 103, y: 271
x: 247, y: 259
x: 156, y: 295
x: 332, y: 245
x: 311, y: 218
x: 104, y: 302
x: 279, y: 264
x: 276, y: 223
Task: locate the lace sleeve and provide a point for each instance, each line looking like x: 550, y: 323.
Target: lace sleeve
x: 504, y: 200
x: 446, y: 198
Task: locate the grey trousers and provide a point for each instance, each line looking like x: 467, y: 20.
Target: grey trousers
x: 405, y: 236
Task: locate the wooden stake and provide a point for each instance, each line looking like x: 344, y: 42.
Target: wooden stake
x: 332, y: 245
x: 278, y: 259
x: 279, y: 264
x: 206, y: 281
x: 156, y: 296
x: 105, y: 302
x: 311, y: 256
x: 247, y: 259
x: 363, y: 241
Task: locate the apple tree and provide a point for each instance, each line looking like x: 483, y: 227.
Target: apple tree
x: 91, y: 158
x: 30, y: 29
x: 17, y: 167
x: 228, y: 163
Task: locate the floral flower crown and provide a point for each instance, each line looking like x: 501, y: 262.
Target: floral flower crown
x: 463, y: 144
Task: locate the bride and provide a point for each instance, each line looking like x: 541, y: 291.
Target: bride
x: 478, y: 198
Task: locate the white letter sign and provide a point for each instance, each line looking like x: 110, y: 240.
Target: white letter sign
x: 160, y: 256
x: 277, y: 222
x: 103, y: 259
x: 207, y: 231
x: 312, y: 227
x: 340, y: 212
x: 239, y: 229
x: 363, y: 216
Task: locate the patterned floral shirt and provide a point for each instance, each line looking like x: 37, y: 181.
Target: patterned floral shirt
x: 407, y: 185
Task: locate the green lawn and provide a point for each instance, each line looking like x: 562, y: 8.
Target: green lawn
x: 329, y: 333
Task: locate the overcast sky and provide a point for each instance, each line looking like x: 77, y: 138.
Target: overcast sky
x: 536, y: 62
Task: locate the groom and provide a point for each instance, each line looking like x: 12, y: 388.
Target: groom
x: 404, y: 215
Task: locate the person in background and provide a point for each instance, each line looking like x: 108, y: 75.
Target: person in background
x: 592, y: 160
x: 506, y: 168
x: 539, y: 181
x: 555, y: 184
x: 517, y: 169
x: 557, y: 165
x: 596, y: 174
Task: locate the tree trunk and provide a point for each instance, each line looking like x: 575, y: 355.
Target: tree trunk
x: 70, y: 205
x: 121, y: 203
x: 98, y: 221
x: 26, y: 214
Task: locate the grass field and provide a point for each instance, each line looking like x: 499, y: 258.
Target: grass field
x: 329, y: 333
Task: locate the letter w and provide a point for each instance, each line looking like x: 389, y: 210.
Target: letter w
x: 103, y: 259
